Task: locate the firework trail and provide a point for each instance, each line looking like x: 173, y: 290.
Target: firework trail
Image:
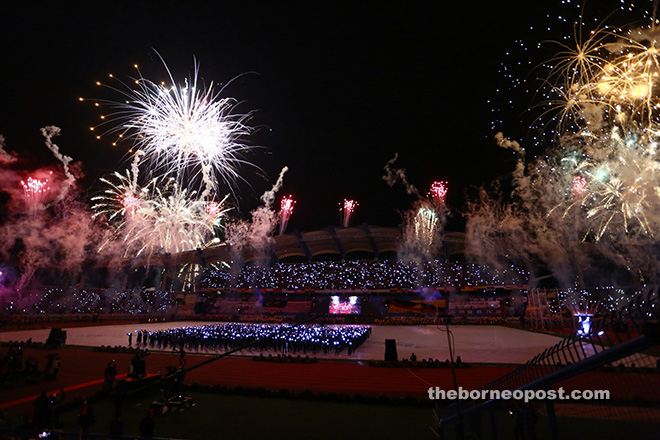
x: 49, y: 132
x: 268, y: 198
x: 286, y: 209
x: 424, y: 222
x: 393, y: 175
x: 346, y: 211
x: 256, y: 235
x: 135, y: 169
x: 5, y: 157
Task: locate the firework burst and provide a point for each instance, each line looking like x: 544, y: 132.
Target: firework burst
x: 161, y: 217
x: 35, y: 191
x: 183, y: 130
x: 425, y: 228
x: 346, y: 211
x: 286, y: 209
x: 438, y: 193
x: 602, y: 106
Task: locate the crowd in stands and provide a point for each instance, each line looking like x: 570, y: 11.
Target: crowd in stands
x: 367, y: 274
x: 262, y: 337
x: 405, y: 320
x: 76, y: 301
x: 260, y: 319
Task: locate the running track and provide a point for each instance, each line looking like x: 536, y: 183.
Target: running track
x: 81, y: 375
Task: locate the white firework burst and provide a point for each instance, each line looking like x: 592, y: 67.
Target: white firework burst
x: 184, y: 130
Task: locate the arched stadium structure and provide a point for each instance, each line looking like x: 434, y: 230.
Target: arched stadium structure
x: 323, y: 267
x: 320, y: 270
x: 376, y: 242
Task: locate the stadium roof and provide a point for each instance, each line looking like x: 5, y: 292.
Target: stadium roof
x: 342, y: 242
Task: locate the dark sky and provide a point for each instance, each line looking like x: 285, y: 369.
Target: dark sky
x: 340, y: 87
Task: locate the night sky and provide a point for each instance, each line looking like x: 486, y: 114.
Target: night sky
x: 338, y: 89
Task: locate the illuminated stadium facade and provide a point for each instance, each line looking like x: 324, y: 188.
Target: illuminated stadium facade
x: 361, y: 258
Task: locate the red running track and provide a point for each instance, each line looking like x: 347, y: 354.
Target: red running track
x: 81, y: 375
x: 82, y: 372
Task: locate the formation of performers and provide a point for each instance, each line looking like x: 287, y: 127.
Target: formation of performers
x: 261, y: 337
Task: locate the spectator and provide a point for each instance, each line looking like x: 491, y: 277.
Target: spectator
x: 109, y: 375
x: 56, y: 366
x: 42, y: 414
x: 182, y: 357
x: 86, y: 418
x: 116, y: 427
x: 56, y: 406
x: 148, y: 424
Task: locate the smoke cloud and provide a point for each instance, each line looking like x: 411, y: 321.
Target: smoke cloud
x: 394, y: 175
x: 49, y: 133
x: 5, y: 157
x: 268, y: 198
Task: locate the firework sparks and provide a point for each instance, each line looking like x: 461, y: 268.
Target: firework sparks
x: 421, y: 233
x: 120, y: 196
x: 615, y: 120
x: 579, y: 186
x: 183, y: 130
x: 214, y: 209
x: 35, y: 191
x: 602, y: 107
x: 346, y: 210
x: 286, y: 209
x: 425, y: 228
x: 170, y: 220
x: 190, y: 138
x: 161, y: 217
x: 130, y: 202
x: 438, y: 193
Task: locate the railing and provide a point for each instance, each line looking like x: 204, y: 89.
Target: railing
x: 612, y: 357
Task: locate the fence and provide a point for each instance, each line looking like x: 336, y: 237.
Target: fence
x: 619, y: 354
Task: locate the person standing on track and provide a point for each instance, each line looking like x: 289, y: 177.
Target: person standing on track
x: 182, y: 357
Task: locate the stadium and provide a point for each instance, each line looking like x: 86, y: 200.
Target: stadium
x: 340, y: 277
x: 158, y: 279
